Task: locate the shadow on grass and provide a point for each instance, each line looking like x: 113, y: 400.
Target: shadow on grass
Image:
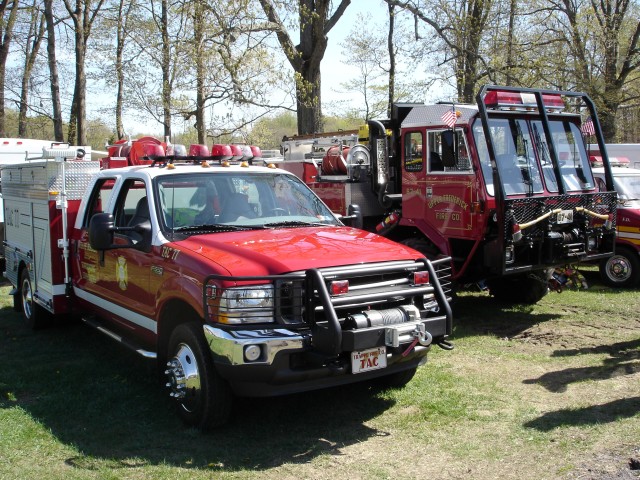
x: 480, y: 314
x: 624, y: 359
x: 106, y: 402
x: 591, y: 415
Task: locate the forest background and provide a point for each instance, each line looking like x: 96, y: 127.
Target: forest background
x: 251, y: 71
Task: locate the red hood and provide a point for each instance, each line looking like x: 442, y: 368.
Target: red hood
x: 277, y: 251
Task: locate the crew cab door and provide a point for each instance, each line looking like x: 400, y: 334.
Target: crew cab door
x: 117, y: 280
x: 439, y: 188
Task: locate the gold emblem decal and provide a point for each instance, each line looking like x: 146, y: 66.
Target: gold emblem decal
x: 121, y: 273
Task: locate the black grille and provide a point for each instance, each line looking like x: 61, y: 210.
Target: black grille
x: 383, y: 285
x: 524, y: 210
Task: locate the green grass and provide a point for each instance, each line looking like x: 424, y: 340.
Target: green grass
x: 529, y: 392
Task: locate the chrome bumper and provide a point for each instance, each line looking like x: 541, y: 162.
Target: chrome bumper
x: 228, y: 347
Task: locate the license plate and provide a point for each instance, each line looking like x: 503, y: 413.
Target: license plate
x: 367, y: 360
x: 564, y: 216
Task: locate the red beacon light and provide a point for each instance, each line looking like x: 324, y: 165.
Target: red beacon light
x: 198, y: 150
x: 236, y: 151
x: 506, y: 100
x: 221, y: 152
x: 257, y: 153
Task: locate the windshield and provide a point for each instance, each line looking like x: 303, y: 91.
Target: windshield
x: 515, y: 156
x: 224, y: 201
x: 628, y: 187
x: 523, y: 158
x: 572, y: 156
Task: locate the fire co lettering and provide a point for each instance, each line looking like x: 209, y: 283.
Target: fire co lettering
x: 448, y: 199
x: 446, y: 215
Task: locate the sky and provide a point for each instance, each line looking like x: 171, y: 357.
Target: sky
x: 333, y: 70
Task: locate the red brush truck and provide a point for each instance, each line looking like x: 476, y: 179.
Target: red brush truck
x: 504, y: 188
x: 235, y: 276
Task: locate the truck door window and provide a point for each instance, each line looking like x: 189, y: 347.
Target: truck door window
x: 413, y: 148
x: 437, y: 145
x: 99, y: 199
x: 131, y: 207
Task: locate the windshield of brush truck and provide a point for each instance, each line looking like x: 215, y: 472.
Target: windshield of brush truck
x: 523, y: 157
x: 515, y: 156
x: 241, y: 199
x: 572, y: 156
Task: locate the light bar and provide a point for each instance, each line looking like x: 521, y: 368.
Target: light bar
x: 503, y: 100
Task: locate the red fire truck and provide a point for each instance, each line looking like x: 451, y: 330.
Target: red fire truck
x: 623, y: 268
x: 503, y: 187
x: 234, y: 276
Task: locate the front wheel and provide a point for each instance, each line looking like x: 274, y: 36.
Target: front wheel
x: 622, y: 269
x: 203, y: 398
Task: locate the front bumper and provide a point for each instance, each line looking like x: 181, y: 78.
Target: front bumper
x: 288, y: 363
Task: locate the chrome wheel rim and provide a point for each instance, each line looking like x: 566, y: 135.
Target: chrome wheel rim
x: 184, y: 378
x: 618, y: 269
x: 27, y: 298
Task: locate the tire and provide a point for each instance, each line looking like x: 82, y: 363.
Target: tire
x: 398, y: 379
x: 526, y: 288
x: 35, y: 317
x: 428, y: 249
x: 203, y: 399
x: 621, y: 270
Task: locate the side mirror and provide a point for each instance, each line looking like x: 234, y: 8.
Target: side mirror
x: 101, y: 231
x: 449, y: 155
x: 354, y: 216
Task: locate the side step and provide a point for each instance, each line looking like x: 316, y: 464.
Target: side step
x: 94, y: 323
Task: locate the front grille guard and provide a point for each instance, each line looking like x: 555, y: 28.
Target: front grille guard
x: 319, y: 310
x: 525, y: 210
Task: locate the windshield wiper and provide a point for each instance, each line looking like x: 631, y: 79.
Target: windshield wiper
x: 219, y: 227
x: 294, y: 223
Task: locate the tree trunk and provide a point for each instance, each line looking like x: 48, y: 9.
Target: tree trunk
x: 79, y: 94
x: 166, y: 70
x: 392, y: 59
x: 305, y: 58
x: 120, y: 39
x: 53, y: 71
x: 512, y: 15
x: 36, y: 32
x: 4, y: 53
x: 198, y: 33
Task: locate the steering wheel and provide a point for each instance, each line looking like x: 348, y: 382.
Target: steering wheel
x: 279, y: 212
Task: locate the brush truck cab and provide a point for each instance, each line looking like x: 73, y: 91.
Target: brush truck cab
x: 235, y: 277
x: 504, y: 187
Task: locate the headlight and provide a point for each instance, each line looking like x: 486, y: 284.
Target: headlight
x: 246, y: 305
